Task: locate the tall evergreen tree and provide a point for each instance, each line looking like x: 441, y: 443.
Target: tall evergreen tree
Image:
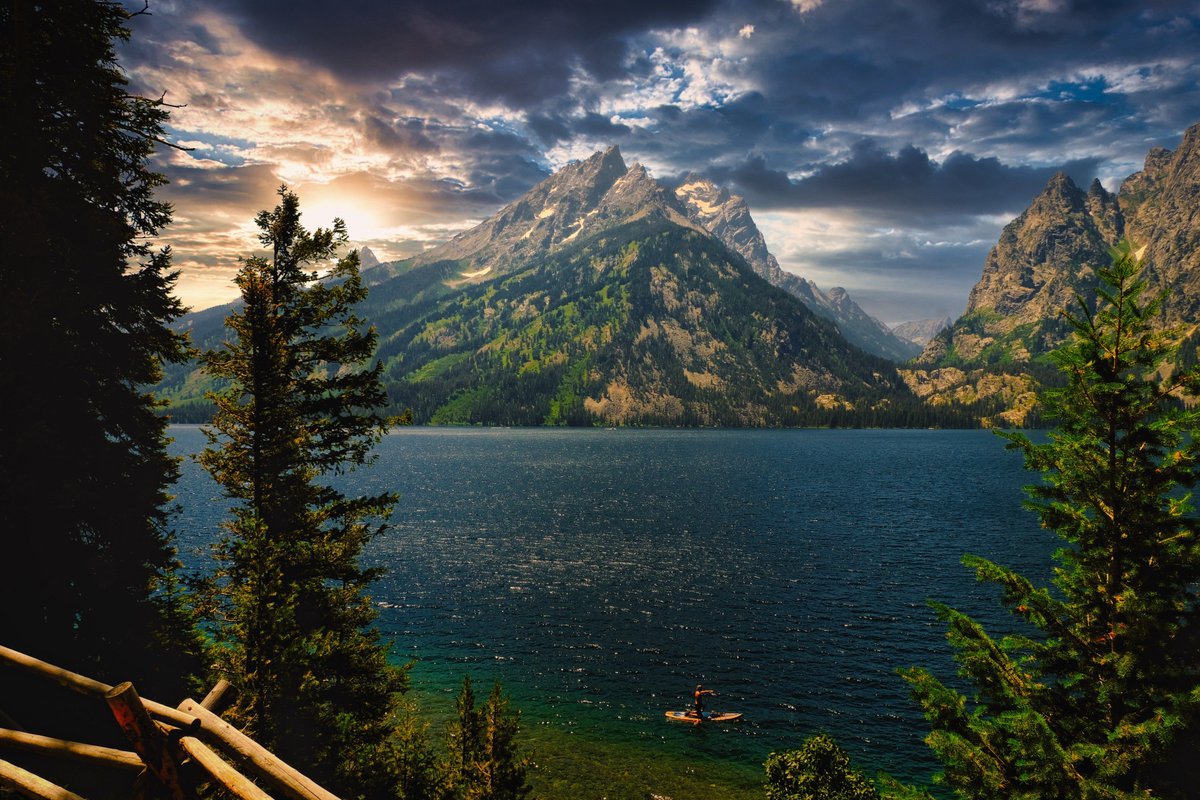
x: 84, y: 470
x: 484, y: 762
x: 1101, y: 698
x: 313, y: 676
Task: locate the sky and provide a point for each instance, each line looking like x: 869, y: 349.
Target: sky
x: 882, y: 145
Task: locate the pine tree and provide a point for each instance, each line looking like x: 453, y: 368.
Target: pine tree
x: 87, y: 576
x: 313, y: 676
x: 484, y: 762
x: 1101, y: 697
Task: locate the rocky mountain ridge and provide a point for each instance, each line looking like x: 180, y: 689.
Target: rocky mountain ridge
x: 582, y: 199
x: 1047, y: 257
x: 727, y: 217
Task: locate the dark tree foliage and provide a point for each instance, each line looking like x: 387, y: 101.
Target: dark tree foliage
x: 818, y: 770
x: 86, y: 579
x: 1100, y: 699
x: 484, y: 762
x: 313, y: 675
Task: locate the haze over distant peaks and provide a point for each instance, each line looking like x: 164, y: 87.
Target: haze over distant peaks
x: 919, y: 332
x: 366, y: 258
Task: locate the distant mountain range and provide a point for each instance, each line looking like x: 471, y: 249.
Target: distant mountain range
x: 1046, y: 257
x: 603, y: 297
x: 920, y: 332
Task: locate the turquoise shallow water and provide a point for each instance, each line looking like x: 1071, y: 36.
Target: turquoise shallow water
x: 601, y: 574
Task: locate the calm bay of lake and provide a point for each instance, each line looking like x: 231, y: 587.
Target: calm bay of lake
x: 601, y: 574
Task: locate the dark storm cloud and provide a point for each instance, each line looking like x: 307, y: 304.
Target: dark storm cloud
x: 850, y: 59
x: 515, y: 51
x: 405, y: 135
x: 906, y: 184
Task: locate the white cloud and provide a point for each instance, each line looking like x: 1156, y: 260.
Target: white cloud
x: 745, y: 32
x: 805, y: 6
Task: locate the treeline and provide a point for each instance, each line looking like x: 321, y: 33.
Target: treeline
x: 90, y: 578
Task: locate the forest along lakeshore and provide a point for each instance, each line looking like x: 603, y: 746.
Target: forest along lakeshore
x: 725, y: 486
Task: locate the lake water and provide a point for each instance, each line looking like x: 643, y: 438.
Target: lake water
x: 601, y: 574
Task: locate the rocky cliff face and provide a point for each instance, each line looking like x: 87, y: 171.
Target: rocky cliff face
x: 582, y: 199
x: 1048, y: 256
x: 727, y: 217
x: 1161, y: 205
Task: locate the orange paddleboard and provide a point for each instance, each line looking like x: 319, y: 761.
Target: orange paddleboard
x: 709, y: 716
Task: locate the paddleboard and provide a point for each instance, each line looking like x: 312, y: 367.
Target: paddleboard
x: 709, y: 716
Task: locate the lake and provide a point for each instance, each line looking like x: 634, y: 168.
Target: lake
x: 601, y: 574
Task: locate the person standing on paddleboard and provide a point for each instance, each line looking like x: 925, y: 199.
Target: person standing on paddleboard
x: 700, y: 692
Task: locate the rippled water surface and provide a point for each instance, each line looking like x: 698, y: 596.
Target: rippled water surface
x: 601, y: 574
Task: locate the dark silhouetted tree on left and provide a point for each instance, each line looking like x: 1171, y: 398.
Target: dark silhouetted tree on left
x: 86, y: 576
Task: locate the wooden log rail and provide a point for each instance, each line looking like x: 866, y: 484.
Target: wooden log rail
x: 32, y: 785
x: 191, y: 721
x: 123, y: 759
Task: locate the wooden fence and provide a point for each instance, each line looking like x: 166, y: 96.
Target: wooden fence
x: 167, y: 744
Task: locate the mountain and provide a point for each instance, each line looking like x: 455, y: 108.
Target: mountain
x: 1045, y: 258
x: 727, y: 217
x: 366, y: 258
x: 597, y: 299
x: 919, y: 332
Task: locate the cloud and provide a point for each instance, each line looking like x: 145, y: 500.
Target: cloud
x: 745, y: 32
x: 518, y: 52
x: 907, y: 184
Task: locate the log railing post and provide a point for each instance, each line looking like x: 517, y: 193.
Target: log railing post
x: 218, y: 696
x: 147, y: 739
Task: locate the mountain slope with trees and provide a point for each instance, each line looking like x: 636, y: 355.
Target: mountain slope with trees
x: 1100, y: 695
x: 649, y: 323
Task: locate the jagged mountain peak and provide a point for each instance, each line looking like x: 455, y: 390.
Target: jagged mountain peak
x: 1060, y: 193
x: 1046, y: 255
x: 708, y: 198
x: 586, y: 198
